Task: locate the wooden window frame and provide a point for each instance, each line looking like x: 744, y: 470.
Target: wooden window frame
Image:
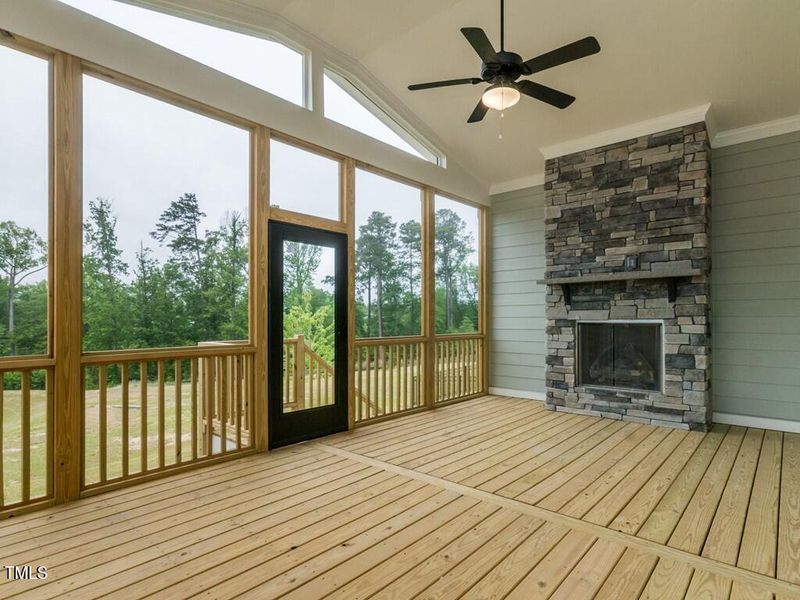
x: 65, y: 358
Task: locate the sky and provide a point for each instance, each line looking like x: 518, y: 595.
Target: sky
x: 142, y: 153
x: 24, y: 195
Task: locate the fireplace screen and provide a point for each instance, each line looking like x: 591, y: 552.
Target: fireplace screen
x: 624, y: 355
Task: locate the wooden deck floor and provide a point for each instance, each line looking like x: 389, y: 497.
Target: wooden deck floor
x: 491, y: 498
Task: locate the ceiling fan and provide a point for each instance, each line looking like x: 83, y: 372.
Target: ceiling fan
x: 502, y: 70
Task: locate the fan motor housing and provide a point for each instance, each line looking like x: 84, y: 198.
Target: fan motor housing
x: 509, y: 67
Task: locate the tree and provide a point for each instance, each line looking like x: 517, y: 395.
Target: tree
x: 411, y: 252
x: 189, y: 270
x: 231, y: 276
x: 179, y: 227
x: 300, y: 262
x: 157, y: 316
x: 22, y: 253
x: 316, y: 324
x: 105, y: 294
x: 453, y: 245
x: 376, y: 249
x: 100, y: 235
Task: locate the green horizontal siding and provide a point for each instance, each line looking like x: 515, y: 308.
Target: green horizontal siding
x: 756, y: 278
x: 517, y: 333
x: 755, y: 282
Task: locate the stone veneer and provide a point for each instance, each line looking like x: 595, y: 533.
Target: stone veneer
x: 649, y: 197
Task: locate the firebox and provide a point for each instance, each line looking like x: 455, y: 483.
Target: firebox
x: 617, y: 354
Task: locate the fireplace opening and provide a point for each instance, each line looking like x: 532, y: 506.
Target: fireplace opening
x: 620, y: 355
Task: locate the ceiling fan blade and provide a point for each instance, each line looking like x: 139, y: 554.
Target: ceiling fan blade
x: 438, y: 84
x: 478, y: 40
x: 545, y: 94
x: 480, y: 111
x: 585, y: 47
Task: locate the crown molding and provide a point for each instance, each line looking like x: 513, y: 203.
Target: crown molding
x: 756, y: 132
x: 628, y: 132
x: 516, y: 184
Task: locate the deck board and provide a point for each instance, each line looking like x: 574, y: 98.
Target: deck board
x: 491, y: 498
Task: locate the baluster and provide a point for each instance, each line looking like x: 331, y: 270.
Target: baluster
x: 193, y: 376
x: 103, y: 417
x: 223, y: 404
x: 143, y: 415
x: 300, y: 372
x: 237, y: 361
x: 209, y: 388
x: 125, y: 389
x: 403, y: 372
x: 376, y: 400
x: 26, y: 435
x: 386, y: 371
x: 178, y: 411
x: 162, y: 395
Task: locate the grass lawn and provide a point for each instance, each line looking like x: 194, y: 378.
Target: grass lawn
x: 386, y: 399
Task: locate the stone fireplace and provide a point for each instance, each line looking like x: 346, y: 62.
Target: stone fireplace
x: 628, y: 272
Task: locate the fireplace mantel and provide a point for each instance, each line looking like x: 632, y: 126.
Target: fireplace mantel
x: 669, y: 274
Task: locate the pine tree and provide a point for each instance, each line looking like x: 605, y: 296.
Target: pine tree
x: 410, y: 257
x: 105, y: 294
x: 22, y: 254
x: 376, y: 250
x: 453, y: 246
x: 188, y: 271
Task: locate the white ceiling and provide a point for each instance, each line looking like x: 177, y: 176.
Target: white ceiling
x: 658, y: 57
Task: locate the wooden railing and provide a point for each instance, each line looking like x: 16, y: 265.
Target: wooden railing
x: 458, y: 370
x: 154, y: 411
x: 26, y: 442
x: 308, y: 380
x: 388, y: 377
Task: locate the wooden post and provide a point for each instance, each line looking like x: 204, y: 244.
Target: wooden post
x: 428, y: 296
x: 259, y: 215
x: 348, y: 213
x: 67, y: 274
x: 483, y: 297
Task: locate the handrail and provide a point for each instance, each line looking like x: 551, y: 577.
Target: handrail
x: 205, y: 349
x: 385, y: 341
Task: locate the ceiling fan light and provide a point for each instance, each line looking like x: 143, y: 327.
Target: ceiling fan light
x: 500, y: 97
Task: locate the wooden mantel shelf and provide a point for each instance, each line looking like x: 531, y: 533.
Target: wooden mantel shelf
x: 669, y: 275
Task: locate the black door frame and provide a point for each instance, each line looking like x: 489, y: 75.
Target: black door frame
x: 293, y: 427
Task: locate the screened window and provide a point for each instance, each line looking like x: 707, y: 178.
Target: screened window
x: 348, y: 106
x: 24, y: 203
x: 457, y: 255
x: 302, y: 181
x: 388, y: 257
x: 265, y: 64
x: 165, y: 223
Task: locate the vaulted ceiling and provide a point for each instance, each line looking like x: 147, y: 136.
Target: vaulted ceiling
x: 742, y: 56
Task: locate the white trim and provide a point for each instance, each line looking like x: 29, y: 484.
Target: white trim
x: 496, y: 391
x: 384, y: 113
x: 516, y: 184
x: 757, y: 422
x: 628, y: 132
x: 756, y: 132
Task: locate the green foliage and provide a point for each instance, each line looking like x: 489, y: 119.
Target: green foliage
x: 200, y: 292
x: 388, y: 277
x: 314, y: 322
x: 453, y: 246
x: 22, y: 254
